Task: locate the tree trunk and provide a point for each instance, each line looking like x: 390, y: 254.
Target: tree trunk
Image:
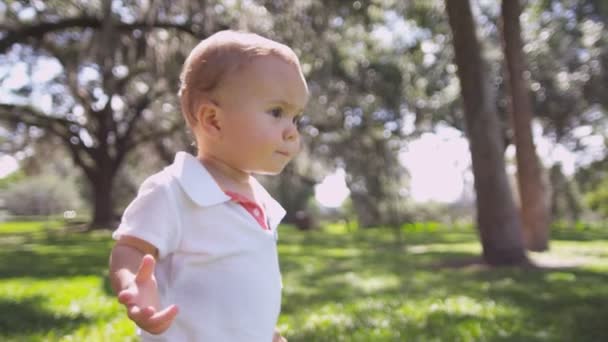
x: 497, y: 220
x: 364, y: 192
x: 533, y: 201
x: 565, y: 202
x: 103, y: 202
x: 366, y: 210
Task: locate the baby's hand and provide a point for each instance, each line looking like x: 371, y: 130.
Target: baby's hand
x: 142, y: 300
x: 277, y: 337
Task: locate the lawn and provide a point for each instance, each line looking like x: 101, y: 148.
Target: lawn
x: 338, y: 286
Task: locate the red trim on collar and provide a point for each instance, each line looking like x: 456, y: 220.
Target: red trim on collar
x: 253, y: 208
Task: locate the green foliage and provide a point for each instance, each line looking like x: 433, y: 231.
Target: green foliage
x: 379, y: 71
x: 339, y: 286
x: 566, y: 86
x: 593, y: 182
x: 598, y: 198
x: 14, y: 177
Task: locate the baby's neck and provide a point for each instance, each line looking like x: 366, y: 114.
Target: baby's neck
x: 227, y: 177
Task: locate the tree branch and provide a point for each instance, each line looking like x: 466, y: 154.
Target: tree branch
x: 30, y: 116
x: 37, y: 31
x: 129, y: 144
x: 57, y: 126
x: 71, y: 75
x: 75, y: 150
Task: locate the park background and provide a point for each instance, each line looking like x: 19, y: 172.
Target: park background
x: 453, y: 182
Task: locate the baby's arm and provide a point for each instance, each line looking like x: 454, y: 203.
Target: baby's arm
x: 132, y: 278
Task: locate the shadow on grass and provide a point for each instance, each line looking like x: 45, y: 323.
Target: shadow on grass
x: 361, y: 287
x: 28, y: 316
x: 539, y: 304
x: 374, y: 237
x: 576, y: 234
x: 54, y: 254
x: 572, y: 301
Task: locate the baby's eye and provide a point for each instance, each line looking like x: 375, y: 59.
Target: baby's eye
x: 276, y: 112
x: 301, y: 121
x: 297, y: 120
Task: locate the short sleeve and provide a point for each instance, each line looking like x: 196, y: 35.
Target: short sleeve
x: 152, y: 217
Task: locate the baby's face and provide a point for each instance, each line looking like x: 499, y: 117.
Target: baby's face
x: 261, y: 106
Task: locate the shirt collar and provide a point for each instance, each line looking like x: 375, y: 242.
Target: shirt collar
x: 196, y: 181
x: 274, y: 210
x: 203, y: 190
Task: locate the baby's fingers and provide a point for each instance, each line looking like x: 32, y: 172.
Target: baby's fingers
x: 278, y: 338
x: 139, y: 315
x: 162, y: 320
x: 166, y: 315
x: 146, y: 269
x: 125, y: 297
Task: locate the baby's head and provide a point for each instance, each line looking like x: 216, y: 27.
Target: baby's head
x: 241, y: 95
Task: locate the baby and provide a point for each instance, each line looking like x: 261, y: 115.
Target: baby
x: 195, y: 257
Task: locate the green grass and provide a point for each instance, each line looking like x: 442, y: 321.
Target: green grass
x: 338, y: 286
x: 20, y: 227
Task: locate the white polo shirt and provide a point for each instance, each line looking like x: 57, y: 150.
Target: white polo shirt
x: 214, y: 260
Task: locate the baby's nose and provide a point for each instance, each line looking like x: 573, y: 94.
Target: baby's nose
x: 291, y: 133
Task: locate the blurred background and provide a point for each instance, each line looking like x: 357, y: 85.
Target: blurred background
x: 442, y: 141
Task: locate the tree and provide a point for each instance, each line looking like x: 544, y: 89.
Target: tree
x: 567, y: 52
x: 593, y: 182
x: 533, y: 200
x: 567, y: 55
x: 565, y: 197
x: 354, y: 117
x: 497, y: 220
x: 115, y: 86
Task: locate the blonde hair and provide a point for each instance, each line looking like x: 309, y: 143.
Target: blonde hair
x: 218, y: 56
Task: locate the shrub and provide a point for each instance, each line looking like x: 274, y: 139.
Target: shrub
x: 44, y: 195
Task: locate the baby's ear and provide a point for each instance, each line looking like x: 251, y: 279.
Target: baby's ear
x: 208, y: 119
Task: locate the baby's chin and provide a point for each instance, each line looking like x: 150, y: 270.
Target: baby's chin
x: 270, y: 172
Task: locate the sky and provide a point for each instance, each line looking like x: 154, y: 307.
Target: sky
x: 439, y: 165
x: 8, y: 165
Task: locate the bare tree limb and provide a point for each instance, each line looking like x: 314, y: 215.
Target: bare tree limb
x: 75, y: 150
x: 71, y: 75
x: 31, y: 116
x: 59, y: 127
x: 37, y: 31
